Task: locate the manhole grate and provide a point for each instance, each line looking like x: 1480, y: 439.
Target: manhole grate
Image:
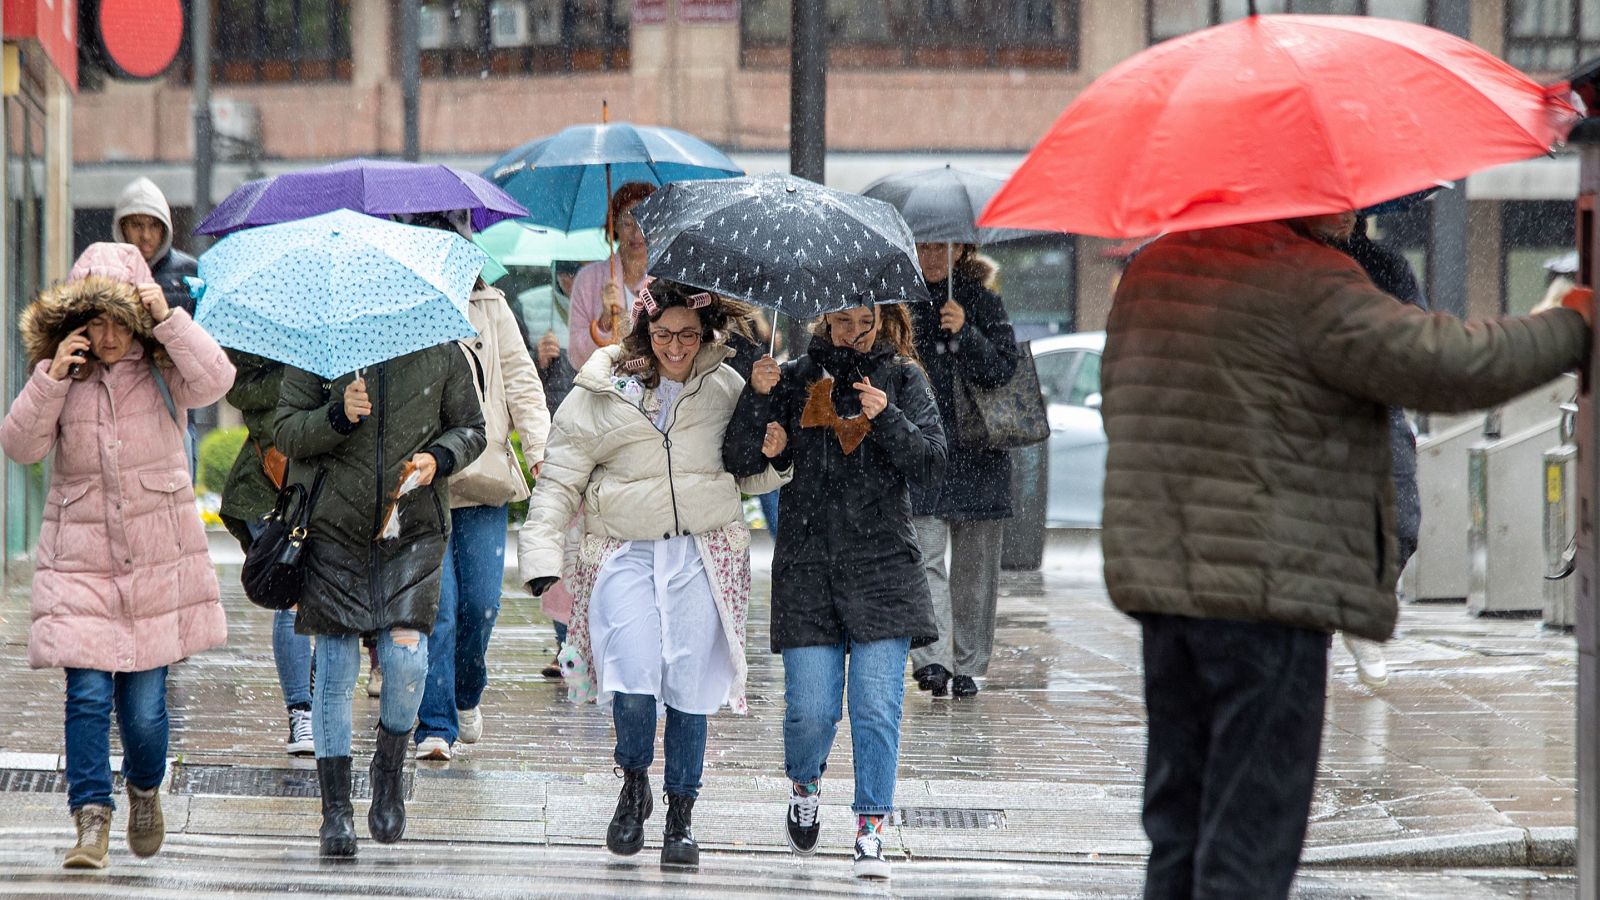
x: 32, y: 781
x: 227, y: 781
x: 243, y: 781
x: 949, y: 817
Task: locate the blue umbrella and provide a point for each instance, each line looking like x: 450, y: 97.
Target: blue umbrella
x: 563, y: 179
x: 337, y: 292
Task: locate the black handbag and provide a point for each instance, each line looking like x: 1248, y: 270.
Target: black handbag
x: 273, y: 574
x: 1004, y: 417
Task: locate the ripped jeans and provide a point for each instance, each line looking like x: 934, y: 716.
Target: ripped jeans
x: 403, y: 656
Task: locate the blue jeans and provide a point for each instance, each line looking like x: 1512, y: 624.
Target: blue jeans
x: 292, y: 654
x: 813, y: 694
x: 469, y: 601
x: 140, y: 702
x: 405, y: 665
x: 769, y: 510
x: 634, y: 717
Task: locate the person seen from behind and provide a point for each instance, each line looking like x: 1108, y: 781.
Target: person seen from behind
x: 1249, y: 511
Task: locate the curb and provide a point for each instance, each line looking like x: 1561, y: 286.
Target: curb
x: 1544, y: 847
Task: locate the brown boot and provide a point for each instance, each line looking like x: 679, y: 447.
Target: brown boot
x: 94, y: 837
x: 146, y: 828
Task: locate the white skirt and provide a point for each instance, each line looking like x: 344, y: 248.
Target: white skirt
x: 654, y: 628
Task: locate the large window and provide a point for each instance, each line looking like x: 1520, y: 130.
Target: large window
x: 1170, y: 18
x: 1551, y: 35
x: 1534, y: 234
x: 26, y: 153
x: 282, y: 40
x: 475, y: 38
x: 930, y: 34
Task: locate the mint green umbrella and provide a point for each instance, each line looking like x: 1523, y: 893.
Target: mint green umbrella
x: 519, y: 244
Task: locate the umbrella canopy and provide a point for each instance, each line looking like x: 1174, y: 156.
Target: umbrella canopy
x: 561, y: 179
x: 781, y: 242
x: 375, y: 187
x: 336, y: 292
x: 942, y: 205
x: 519, y: 244
x: 1273, y: 117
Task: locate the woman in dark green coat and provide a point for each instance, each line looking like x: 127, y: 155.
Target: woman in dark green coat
x: 372, y: 561
x: 251, y: 490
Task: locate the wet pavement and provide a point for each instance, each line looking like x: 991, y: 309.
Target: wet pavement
x: 1464, y: 760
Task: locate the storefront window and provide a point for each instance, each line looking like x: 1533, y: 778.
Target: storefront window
x: 923, y: 34
x: 473, y: 38
x: 1038, y: 284
x: 1170, y: 18
x: 25, y: 266
x: 1534, y: 234
x: 282, y: 40
x: 1551, y: 35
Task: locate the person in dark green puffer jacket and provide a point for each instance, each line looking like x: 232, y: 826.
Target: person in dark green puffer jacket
x: 250, y: 494
x: 421, y: 409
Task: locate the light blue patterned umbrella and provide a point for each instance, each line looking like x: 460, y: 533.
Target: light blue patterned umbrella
x: 337, y: 292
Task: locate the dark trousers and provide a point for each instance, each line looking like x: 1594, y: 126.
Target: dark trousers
x: 1235, y: 713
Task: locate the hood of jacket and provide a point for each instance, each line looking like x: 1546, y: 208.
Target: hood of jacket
x: 56, y: 312
x: 599, y: 373
x: 142, y: 198
x: 119, y: 262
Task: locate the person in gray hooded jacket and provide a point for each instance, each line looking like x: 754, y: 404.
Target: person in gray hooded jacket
x: 143, y: 219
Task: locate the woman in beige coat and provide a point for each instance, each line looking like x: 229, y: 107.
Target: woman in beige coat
x: 663, y: 574
x: 474, y: 563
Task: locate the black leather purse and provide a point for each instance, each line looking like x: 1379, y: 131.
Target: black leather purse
x: 273, y: 566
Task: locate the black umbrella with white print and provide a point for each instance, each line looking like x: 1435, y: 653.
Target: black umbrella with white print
x: 781, y: 242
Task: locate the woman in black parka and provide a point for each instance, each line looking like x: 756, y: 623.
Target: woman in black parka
x: 963, y: 336
x: 418, y: 413
x: 847, y: 577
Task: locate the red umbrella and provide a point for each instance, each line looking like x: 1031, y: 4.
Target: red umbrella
x: 1272, y: 117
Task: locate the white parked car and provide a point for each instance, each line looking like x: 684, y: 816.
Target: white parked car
x: 1069, y: 375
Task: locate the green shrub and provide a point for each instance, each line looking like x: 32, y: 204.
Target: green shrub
x: 218, y: 450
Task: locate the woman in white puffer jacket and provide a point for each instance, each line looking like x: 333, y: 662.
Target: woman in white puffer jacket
x: 663, y: 575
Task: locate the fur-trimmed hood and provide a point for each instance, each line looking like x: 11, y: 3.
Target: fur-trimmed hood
x: 57, y: 311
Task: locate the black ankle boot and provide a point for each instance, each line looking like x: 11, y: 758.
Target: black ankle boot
x: 338, y: 831
x: 634, y: 805
x: 386, y: 818
x: 677, y: 843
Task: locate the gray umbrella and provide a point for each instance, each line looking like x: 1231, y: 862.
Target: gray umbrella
x: 942, y: 205
x: 781, y: 242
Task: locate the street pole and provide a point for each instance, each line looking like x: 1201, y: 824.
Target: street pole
x: 808, y: 114
x: 204, y: 142
x: 1447, y: 234
x: 808, y: 90
x: 411, y: 74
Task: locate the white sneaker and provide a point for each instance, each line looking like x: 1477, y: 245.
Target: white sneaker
x: 869, y: 861
x: 301, y: 740
x: 470, y: 724
x: 434, y: 748
x: 1371, y: 667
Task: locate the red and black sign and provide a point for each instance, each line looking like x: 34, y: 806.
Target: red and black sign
x: 137, y: 39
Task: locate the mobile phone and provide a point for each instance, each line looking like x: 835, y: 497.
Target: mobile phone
x: 88, y: 357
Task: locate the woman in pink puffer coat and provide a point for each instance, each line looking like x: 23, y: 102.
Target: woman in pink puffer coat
x: 123, y: 584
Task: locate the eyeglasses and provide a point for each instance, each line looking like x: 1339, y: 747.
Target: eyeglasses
x: 688, y: 337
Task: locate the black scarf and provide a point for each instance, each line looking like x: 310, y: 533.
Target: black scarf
x: 847, y: 365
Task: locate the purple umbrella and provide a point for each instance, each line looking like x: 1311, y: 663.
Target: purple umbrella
x: 373, y: 187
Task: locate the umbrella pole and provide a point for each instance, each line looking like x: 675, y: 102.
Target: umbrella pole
x: 772, y: 335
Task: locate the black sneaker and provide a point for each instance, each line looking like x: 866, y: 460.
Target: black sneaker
x: 301, y: 738
x: 869, y: 861
x: 964, y: 687
x: 803, y: 823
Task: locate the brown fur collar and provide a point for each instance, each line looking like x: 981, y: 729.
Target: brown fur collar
x: 58, y: 310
